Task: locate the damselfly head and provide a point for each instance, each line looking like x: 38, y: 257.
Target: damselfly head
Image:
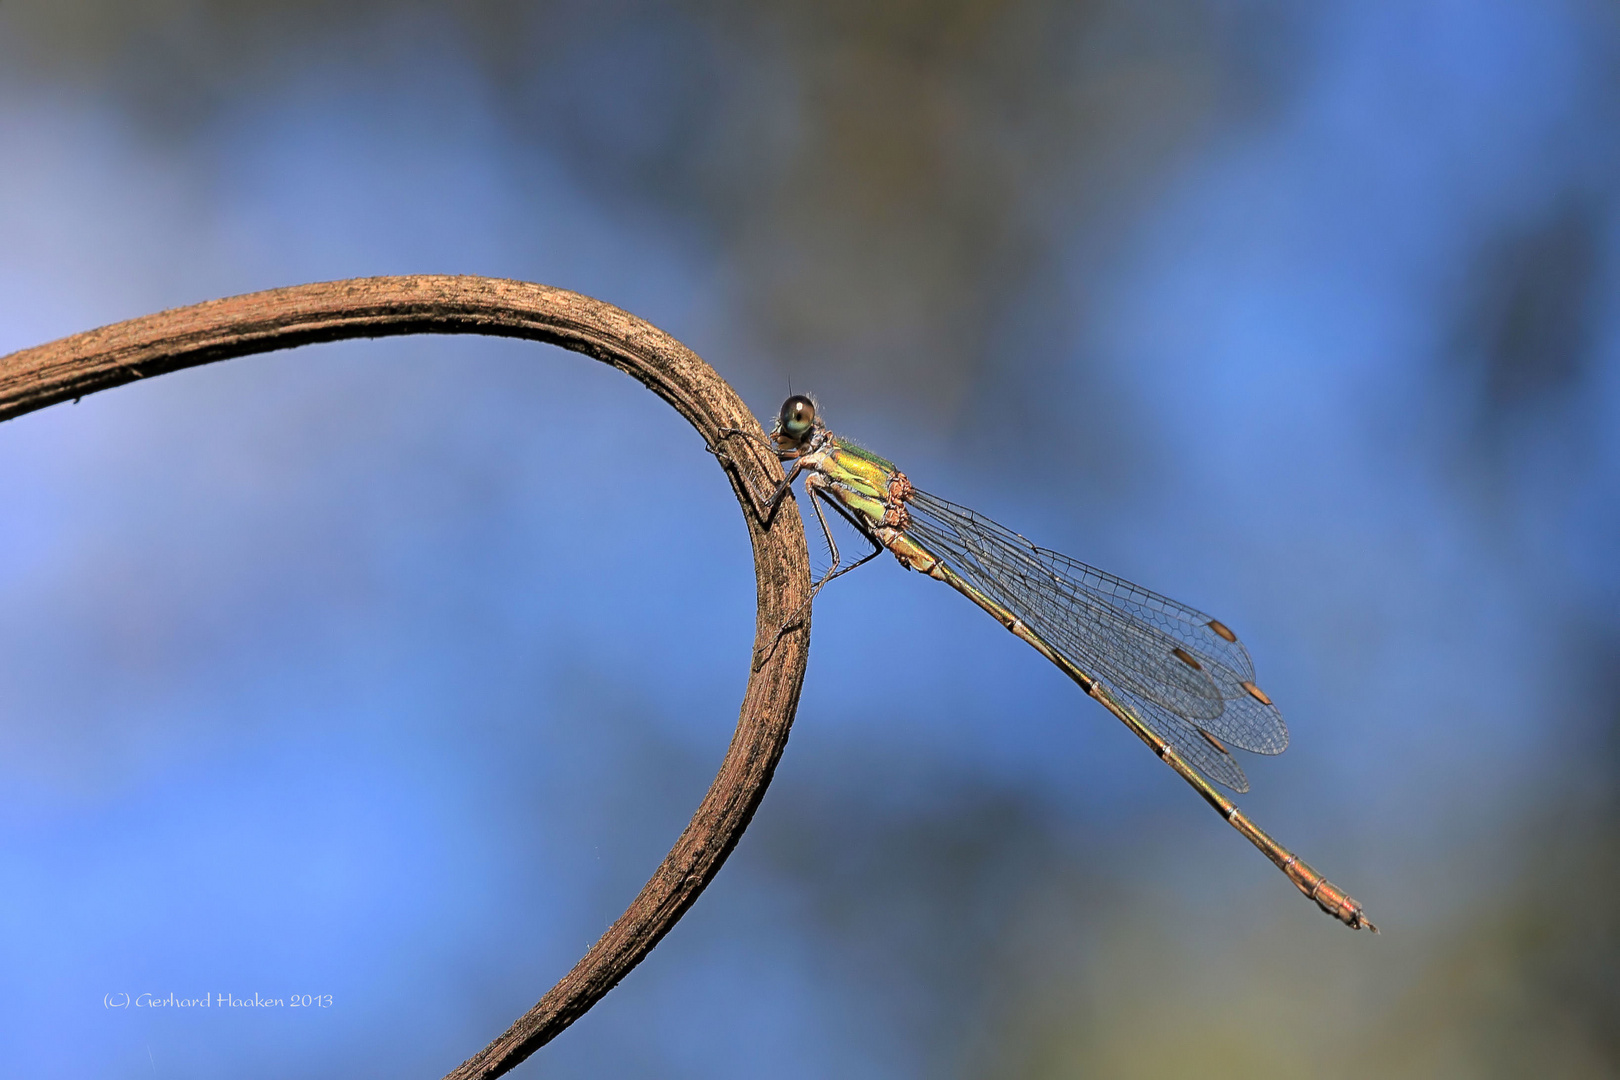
x: 795, y: 423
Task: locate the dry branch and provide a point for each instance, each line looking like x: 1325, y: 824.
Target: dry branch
x: 377, y: 307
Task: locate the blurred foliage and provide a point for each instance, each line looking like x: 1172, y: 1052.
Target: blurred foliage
x: 892, y: 185
x: 1001, y: 948
x: 1528, y: 336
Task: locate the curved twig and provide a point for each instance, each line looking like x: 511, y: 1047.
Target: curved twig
x: 377, y: 307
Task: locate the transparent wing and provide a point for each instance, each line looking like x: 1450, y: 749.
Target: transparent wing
x: 1166, y: 661
x: 1216, y: 763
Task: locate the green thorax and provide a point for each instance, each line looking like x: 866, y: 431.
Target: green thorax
x: 859, y: 478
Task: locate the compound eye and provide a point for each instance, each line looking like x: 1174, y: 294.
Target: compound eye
x: 798, y: 417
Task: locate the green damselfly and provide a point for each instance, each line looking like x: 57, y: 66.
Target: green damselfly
x: 1179, y: 679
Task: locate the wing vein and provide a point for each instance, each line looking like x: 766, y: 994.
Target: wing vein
x: 1165, y: 660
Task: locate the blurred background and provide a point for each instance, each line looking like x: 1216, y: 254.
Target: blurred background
x: 389, y: 670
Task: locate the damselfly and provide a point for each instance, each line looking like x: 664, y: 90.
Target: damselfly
x: 1179, y: 679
